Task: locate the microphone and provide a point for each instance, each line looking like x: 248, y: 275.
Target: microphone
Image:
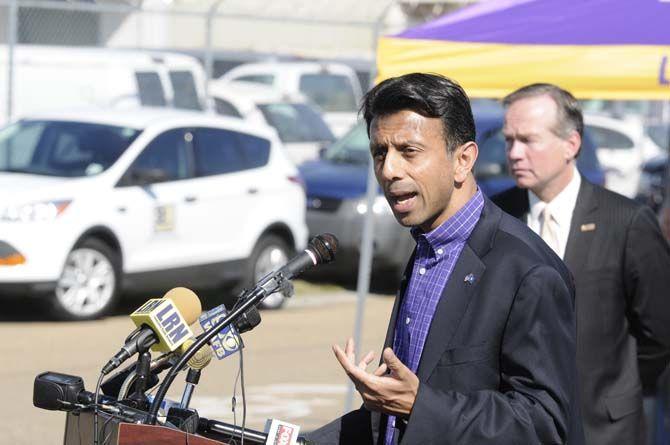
x: 320, y: 250
x: 196, y: 363
x: 162, y: 324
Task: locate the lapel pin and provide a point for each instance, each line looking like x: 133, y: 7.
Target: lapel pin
x: 588, y: 227
x: 469, y: 278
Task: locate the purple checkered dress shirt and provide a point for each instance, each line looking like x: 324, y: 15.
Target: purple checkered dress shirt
x: 434, y: 259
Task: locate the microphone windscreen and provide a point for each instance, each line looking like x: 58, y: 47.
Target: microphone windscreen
x: 325, y: 247
x: 201, y: 358
x: 187, y: 302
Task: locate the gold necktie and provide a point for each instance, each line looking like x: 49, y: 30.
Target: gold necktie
x: 549, y: 231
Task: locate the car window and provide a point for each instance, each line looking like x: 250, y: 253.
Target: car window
x: 352, y: 148
x: 62, y: 148
x: 492, y: 158
x: 220, y: 151
x: 296, y: 122
x: 265, y: 79
x: 185, y: 92
x: 225, y: 108
x: 168, y: 152
x: 151, y: 89
x: 331, y: 92
x: 607, y: 138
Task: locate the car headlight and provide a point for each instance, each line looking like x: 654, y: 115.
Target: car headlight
x: 34, y: 211
x: 379, y: 207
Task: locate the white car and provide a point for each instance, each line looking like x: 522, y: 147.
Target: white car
x: 299, y: 125
x: 334, y: 87
x: 95, y: 202
x: 622, y: 148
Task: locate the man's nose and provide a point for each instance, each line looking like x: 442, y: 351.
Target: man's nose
x: 391, y: 169
x: 515, y: 151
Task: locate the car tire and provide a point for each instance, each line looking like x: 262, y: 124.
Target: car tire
x: 88, y: 287
x: 270, y: 253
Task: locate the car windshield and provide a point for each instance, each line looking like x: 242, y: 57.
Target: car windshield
x: 331, y: 92
x: 353, y: 148
x: 61, y: 148
x: 296, y: 122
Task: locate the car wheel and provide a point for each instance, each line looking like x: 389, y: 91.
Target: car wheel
x: 88, y: 285
x: 270, y: 253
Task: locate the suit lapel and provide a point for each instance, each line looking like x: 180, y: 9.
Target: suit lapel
x: 581, y: 228
x: 459, y: 291
x: 450, y: 309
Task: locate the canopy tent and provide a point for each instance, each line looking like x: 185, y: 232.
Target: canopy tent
x: 608, y: 49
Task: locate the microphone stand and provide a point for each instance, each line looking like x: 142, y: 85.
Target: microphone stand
x: 268, y: 285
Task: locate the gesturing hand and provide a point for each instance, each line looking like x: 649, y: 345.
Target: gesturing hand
x: 390, y: 389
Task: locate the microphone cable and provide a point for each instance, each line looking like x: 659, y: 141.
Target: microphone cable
x: 240, y: 377
x: 96, y: 439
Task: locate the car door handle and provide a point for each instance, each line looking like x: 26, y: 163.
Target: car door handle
x: 191, y: 198
x: 252, y: 191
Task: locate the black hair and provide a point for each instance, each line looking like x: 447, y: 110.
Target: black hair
x: 430, y: 95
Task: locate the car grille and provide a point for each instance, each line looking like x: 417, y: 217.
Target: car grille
x: 321, y: 204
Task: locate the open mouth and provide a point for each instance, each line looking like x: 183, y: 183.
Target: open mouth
x: 403, y: 203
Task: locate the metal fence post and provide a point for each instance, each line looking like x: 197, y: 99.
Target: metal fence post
x: 209, y: 56
x: 365, y: 262
x: 11, y: 43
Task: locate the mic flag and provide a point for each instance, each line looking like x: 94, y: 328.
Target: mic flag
x: 163, y: 316
x: 281, y: 433
x: 228, y: 341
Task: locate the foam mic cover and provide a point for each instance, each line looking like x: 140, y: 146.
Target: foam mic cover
x: 201, y: 358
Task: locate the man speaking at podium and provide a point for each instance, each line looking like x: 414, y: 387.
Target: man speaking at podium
x: 480, y: 348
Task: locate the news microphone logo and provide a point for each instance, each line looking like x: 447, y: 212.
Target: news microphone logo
x: 281, y: 433
x: 225, y: 343
x: 162, y: 315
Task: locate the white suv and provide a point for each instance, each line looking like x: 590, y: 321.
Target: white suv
x: 299, y: 125
x: 334, y: 87
x: 93, y: 202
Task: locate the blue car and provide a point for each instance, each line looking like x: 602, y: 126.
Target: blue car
x: 336, y: 188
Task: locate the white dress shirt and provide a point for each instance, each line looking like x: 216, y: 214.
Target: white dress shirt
x: 561, y: 208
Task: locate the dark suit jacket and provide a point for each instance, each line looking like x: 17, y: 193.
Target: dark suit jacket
x: 621, y: 265
x: 498, y: 365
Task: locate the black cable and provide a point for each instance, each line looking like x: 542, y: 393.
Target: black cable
x: 244, y: 397
x: 95, y: 410
x: 104, y: 428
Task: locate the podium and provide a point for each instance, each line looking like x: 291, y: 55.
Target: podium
x: 79, y: 430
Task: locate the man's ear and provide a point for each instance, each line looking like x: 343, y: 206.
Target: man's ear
x: 573, y: 143
x: 464, y: 160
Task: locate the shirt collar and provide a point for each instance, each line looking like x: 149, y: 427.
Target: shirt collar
x: 562, y: 205
x: 457, y: 228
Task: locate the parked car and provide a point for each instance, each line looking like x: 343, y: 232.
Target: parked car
x: 622, y: 148
x: 336, y: 192
x: 654, y: 182
x: 299, y: 125
x: 57, y: 77
x: 334, y: 87
x: 95, y: 202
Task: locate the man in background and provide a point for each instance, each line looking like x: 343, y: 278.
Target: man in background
x: 614, y: 249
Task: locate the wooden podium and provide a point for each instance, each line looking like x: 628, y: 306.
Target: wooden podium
x: 79, y: 431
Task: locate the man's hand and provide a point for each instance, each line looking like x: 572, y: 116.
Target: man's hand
x: 390, y: 389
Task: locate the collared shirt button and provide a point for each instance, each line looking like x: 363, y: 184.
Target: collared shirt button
x: 440, y: 251
x: 422, y: 271
x: 407, y: 320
